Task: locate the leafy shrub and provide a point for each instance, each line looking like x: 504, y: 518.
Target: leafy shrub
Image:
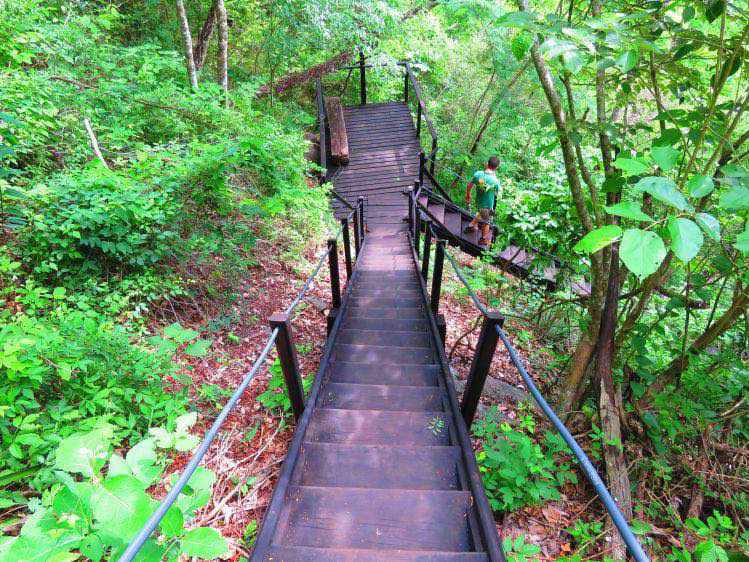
x: 275, y: 397
x: 99, y: 502
x: 61, y: 371
x: 516, y: 470
x: 98, y: 216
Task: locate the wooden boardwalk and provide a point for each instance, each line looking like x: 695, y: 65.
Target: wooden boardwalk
x: 385, y: 471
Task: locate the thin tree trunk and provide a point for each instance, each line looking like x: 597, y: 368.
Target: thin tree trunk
x: 223, y: 47
x: 184, y: 25
x: 200, y: 50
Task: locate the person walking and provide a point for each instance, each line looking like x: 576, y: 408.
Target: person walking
x: 487, y: 187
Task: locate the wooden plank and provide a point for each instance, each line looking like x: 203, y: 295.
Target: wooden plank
x: 357, y: 396
x: 409, y: 375
x: 278, y: 553
x: 339, y: 142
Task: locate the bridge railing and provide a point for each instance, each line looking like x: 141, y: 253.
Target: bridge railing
x: 281, y: 337
x: 491, y: 333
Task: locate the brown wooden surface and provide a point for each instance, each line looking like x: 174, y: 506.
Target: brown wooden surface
x: 339, y: 143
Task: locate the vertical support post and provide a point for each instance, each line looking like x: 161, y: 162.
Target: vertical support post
x: 362, y: 78
x: 405, y: 83
x: 482, y: 361
x: 426, y: 250
x: 347, y: 247
x: 362, y: 226
x: 417, y: 228
x: 289, y: 362
x: 439, y: 262
x: 335, y: 280
x: 418, y: 118
x: 357, y: 233
x: 410, y: 194
x: 434, y: 156
x: 422, y: 158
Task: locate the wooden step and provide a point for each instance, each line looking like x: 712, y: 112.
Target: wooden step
x: 379, y: 427
x: 378, y: 466
x: 348, y: 396
x: 453, y: 222
x: 389, y: 313
x: 376, y: 519
x: 400, y: 375
x: 389, y: 302
x: 307, y: 554
x: 382, y: 355
x: 437, y: 210
x: 378, y: 337
x: 385, y: 324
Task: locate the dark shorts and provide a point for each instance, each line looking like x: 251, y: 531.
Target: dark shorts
x: 485, y: 216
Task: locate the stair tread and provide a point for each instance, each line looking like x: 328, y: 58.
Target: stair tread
x: 379, y: 427
x: 385, y: 324
x: 387, y: 519
x: 381, y: 354
x: 437, y: 210
x: 396, y: 375
x: 279, y: 553
x: 389, y: 338
x: 453, y: 222
x: 411, y: 313
x: 378, y: 466
x: 357, y: 396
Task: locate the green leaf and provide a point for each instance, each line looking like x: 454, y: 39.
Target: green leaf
x: 665, y: 190
x: 173, y: 522
x: 735, y: 198
x: 141, y: 460
x: 699, y: 186
x: 665, y: 156
x: 628, y: 209
x: 631, y: 167
x: 742, y: 242
x: 709, y: 224
x: 515, y: 19
x: 205, y: 543
x: 627, y: 60
x: 708, y: 551
x: 84, y: 453
x: 520, y: 45
x: 714, y: 9
x: 199, y: 348
x: 121, y: 507
x: 186, y: 421
x: 43, y: 549
x: 179, y: 334
x: 686, y: 238
x: 642, y: 251
x: 668, y: 137
x: 597, y: 239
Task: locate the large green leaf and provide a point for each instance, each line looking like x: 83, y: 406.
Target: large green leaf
x: 598, y: 238
x: 51, y: 547
x: 628, y: 209
x: 205, y: 543
x: 84, y: 453
x: 642, y: 251
x: 708, y: 551
x: 665, y: 156
x: 121, y: 507
x: 198, y: 348
x: 686, y: 238
x: 709, y: 224
x: 627, y: 60
x: 631, y: 166
x: 735, y: 198
x: 714, y: 8
x: 665, y: 190
x: 742, y: 242
x: 699, y: 186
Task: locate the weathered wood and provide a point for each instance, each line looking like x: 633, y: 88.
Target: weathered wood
x: 482, y: 361
x: 289, y: 362
x: 339, y: 145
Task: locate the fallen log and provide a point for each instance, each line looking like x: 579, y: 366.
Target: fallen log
x: 296, y: 78
x: 339, y: 152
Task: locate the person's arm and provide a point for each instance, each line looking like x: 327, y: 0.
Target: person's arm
x: 469, y: 187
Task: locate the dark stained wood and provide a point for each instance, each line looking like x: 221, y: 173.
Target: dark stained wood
x: 339, y: 143
x: 307, y: 554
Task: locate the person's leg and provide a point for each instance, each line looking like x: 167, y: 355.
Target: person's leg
x: 473, y: 224
x: 486, y: 217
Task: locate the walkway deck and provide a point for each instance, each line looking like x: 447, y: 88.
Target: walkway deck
x: 385, y: 470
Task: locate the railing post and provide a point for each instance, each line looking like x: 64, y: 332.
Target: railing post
x: 289, y: 362
x: 439, y: 262
x: 362, y: 78
x: 482, y: 361
x: 405, y: 83
x: 335, y: 283
x: 418, y: 118
x: 427, y: 249
x: 422, y: 158
x: 417, y: 228
x: 409, y: 192
x: 346, y: 247
x: 441, y: 328
x: 357, y: 241
x: 362, y: 226
x: 434, y: 156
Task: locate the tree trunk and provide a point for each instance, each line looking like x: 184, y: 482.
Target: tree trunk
x: 223, y: 48
x: 184, y: 25
x: 200, y: 50
x: 296, y: 78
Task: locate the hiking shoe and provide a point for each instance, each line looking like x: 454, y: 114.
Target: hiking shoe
x: 485, y: 244
x: 469, y: 228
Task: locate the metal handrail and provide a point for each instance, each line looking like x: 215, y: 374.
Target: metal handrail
x: 634, y: 546
x: 153, y: 521
x: 419, y: 98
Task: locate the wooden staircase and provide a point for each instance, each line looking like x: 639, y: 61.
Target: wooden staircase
x: 384, y: 470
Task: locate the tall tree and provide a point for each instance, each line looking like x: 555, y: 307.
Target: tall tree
x: 184, y: 26
x: 223, y: 47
